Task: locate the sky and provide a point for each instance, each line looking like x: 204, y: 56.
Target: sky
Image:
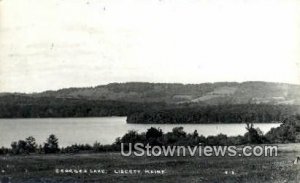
x: 53, y: 44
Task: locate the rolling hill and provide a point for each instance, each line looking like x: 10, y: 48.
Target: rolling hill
x: 225, y: 101
x: 205, y: 93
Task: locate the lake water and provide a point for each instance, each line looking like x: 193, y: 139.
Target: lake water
x: 104, y: 129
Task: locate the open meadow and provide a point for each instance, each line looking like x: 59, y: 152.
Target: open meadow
x: 108, y: 167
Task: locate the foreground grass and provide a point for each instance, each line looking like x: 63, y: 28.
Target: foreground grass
x: 41, y: 168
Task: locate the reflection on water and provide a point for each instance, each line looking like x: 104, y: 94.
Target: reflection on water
x: 104, y: 129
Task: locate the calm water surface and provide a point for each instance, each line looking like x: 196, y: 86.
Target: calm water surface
x: 104, y: 130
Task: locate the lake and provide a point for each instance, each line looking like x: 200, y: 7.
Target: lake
x: 102, y: 129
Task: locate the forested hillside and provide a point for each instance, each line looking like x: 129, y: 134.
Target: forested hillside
x: 205, y: 93
x: 226, y: 102
x: 239, y: 113
x: 15, y: 106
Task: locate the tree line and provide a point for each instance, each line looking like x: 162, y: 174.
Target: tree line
x: 288, y: 132
x: 15, y: 106
x: 258, y: 113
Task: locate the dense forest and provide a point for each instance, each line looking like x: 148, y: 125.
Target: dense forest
x: 16, y: 106
x: 225, y: 102
x: 258, y: 113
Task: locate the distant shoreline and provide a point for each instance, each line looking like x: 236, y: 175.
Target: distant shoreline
x: 125, y: 117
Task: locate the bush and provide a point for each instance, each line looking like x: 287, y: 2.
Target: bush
x: 287, y: 132
x: 24, y: 146
x: 154, y: 136
x: 4, y: 150
x: 76, y: 148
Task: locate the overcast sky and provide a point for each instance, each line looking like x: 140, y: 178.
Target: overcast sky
x: 52, y: 44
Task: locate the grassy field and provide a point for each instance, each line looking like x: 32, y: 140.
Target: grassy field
x: 42, y: 168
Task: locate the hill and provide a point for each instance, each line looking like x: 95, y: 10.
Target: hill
x: 205, y: 93
x: 159, y: 102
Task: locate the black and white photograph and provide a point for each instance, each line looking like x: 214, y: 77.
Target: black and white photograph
x: 115, y: 91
